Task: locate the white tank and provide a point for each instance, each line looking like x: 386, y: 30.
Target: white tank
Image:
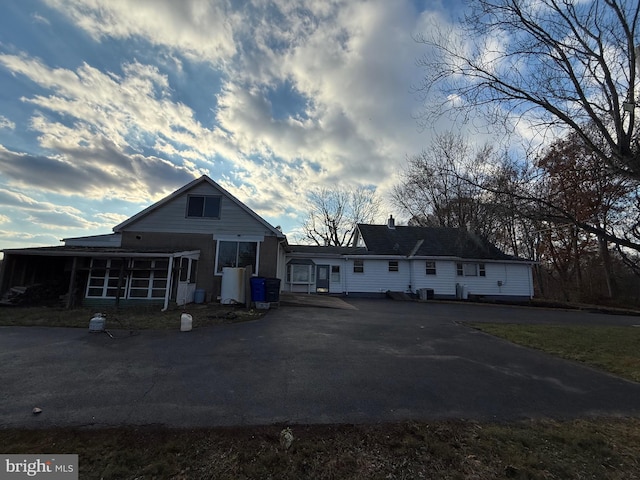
x: 232, y: 289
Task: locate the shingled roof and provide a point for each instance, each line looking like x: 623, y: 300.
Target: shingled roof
x: 428, y: 241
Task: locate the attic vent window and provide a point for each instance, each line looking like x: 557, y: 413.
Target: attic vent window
x: 200, y: 206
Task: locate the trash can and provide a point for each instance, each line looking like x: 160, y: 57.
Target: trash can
x: 198, y: 296
x: 272, y: 289
x: 258, y: 289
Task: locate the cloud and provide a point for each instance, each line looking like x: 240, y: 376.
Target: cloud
x: 37, y: 18
x: 200, y: 29
x: 6, y: 123
x: 346, y: 68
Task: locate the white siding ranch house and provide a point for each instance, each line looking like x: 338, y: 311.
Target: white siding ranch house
x: 436, y: 262
x: 183, y: 244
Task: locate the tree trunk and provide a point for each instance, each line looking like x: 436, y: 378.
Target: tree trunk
x: 603, y: 246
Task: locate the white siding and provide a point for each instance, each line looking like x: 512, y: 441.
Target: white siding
x: 377, y: 278
x: 171, y: 217
x: 443, y: 282
x: 515, y: 280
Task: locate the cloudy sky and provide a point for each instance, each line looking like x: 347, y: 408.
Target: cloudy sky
x: 108, y: 105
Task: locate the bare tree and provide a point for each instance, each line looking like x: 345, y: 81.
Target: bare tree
x: 443, y: 187
x: 555, y: 64
x: 334, y: 214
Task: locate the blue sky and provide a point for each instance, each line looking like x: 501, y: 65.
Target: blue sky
x: 106, y: 106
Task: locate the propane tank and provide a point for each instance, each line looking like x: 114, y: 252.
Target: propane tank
x: 96, y: 324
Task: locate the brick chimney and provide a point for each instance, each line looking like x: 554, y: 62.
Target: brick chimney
x: 391, y: 223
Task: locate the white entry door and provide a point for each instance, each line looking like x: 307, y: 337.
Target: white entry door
x: 186, y: 280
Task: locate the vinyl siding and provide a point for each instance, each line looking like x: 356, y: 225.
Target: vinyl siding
x: 171, y: 217
x: 443, y: 282
x: 516, y: 281
x: 516, y: 278
x: 377, y: 278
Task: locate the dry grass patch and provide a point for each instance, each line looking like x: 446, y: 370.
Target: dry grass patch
x: 597, y: 448
x: 137, y: 318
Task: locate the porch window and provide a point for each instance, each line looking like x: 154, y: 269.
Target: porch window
x: 358, y: 266
x: 104, y: 277
x: 431, y: 268
x: 201, y: 206
x: 148, y: 278
x: 237, y: 254
x: 471, y: 270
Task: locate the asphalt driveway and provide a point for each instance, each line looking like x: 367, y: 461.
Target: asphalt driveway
x: 382, y: 361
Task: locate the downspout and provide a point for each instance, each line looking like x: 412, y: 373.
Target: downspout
x: 169, y: 283
x: 345, y: 276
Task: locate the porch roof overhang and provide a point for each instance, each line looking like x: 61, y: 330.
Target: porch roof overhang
x: 69, y: 251
x: 301, y: 261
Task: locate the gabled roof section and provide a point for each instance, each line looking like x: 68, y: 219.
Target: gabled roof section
x: 429, y: 242
x: 186, y: 188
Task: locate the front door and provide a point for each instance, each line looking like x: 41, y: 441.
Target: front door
x: 186, y: 280
x: 322, y: 279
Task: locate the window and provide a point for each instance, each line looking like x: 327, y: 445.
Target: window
x: 104, y: 277
x: 299, y: 274
x: 200, y: 206
x: 237, y: 254
x: 430, y: 268
x: 471, y: 270
x: 148, y: 278
x: 393, y: 265
x: 335, y: 273
x: 140, y: 278
x: 358, y: 266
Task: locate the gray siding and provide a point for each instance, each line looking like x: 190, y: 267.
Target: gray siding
x: 171, y: 217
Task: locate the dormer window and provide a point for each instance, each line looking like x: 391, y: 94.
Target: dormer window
x: 202, y: 206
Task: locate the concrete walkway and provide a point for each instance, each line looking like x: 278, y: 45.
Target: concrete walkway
x: 380, y: 361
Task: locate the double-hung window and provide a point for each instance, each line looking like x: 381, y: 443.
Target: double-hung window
x: 430, y: 267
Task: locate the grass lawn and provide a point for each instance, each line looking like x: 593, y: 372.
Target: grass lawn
x: 614, y: 349
x: 136, y: 318
x: 440, y: 450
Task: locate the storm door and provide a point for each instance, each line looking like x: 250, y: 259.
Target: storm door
x: 322, y: 278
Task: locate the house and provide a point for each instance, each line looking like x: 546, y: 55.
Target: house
x: 158, y: 256
x: 184, y: 243
x: 446, y: 262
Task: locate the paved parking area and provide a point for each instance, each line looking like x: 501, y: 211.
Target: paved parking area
x: 382, y: 361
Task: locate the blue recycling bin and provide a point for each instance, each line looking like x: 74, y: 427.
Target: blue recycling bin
x: 258, y: 289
